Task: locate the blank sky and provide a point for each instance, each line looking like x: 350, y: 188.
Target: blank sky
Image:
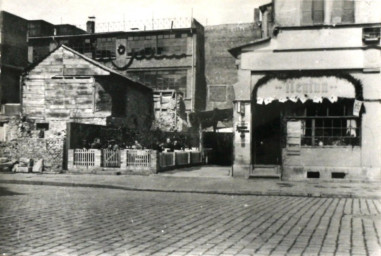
x: 210, y: 12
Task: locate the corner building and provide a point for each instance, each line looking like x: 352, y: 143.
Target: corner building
x: 308, y: 96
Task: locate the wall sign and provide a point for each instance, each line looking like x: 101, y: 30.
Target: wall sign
x: 294, y: 137
x: 306, y: 88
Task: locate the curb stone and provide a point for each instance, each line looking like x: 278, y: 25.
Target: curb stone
x: 216, y: 192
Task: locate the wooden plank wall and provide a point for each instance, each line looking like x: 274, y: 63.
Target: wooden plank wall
x: 47, y: 95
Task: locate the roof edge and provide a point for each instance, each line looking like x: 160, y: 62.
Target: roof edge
x: 236, y: 50
x: 95, y: 63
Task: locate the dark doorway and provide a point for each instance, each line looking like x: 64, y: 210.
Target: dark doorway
x: 267, y: 134
x: 222, y: 145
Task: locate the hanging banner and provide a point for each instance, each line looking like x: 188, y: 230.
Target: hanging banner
x: 357, y: 107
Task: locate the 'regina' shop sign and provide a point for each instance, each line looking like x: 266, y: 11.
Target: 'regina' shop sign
x: 305, y: 88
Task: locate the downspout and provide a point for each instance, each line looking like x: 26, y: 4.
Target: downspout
x: 193, y: 80
x: 20, y: 93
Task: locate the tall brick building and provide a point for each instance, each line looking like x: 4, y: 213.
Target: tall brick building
x: 220, y: 65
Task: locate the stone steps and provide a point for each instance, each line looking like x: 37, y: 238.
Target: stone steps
x: 265, y: 171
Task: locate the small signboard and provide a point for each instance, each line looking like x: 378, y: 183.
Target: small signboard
x: 242, y: 127
x: 357, y: 107
x: 294, y: 137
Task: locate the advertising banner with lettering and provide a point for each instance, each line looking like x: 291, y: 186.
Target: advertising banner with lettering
x: 305, y: 88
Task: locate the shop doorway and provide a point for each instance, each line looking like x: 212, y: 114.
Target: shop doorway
x: 267, y: 134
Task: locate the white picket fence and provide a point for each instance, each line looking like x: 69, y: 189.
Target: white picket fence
x: 84, y: 157
x: 138, y: 158
x: 132, y: 159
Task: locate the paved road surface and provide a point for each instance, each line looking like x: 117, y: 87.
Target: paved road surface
x: 50, y: 220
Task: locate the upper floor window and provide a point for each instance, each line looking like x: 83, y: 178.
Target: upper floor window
x: 323, y: 11
x: 343, y: 11
x: 312, y: 12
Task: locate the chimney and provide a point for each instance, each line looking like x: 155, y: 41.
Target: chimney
x: 265, y: 24
x: 90, y: 25
x: 257, y: 17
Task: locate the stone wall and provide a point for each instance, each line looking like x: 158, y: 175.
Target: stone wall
x: 24, y: 141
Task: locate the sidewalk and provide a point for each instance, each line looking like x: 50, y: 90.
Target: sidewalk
x: 214, y: 185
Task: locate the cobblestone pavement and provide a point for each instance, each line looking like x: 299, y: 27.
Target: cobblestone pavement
x: 47, y: 220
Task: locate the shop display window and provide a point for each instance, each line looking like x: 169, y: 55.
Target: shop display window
x: 326, y: 123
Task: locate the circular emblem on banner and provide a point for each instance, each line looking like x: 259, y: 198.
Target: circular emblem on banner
x: 121, y: 49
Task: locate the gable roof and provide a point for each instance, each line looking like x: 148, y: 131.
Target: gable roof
x: 105, y: 68
x: 102, y: 69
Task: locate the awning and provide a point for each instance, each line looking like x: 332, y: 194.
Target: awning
x: 305, y: 88
x: 211, y: 118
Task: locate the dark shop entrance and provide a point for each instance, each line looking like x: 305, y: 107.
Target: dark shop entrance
x: 267, y: 134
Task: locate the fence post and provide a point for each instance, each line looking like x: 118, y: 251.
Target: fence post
x: 189, y: 158
x: 70, y: 159
x: 97, y: 158
x: 123, y: 159
x: 154, y: 161
x: 174, y: 158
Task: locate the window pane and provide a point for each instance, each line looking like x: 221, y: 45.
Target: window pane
x: 349, y: 11
x: 306, y: 12
x: 318, y: 11
x: 326, y: 123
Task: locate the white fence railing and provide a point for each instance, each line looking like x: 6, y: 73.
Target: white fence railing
x: 138, y: 158
x: 84, y: 157
x: 132, y: 159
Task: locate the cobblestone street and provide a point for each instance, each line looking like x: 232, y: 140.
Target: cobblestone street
x: 47, y: 220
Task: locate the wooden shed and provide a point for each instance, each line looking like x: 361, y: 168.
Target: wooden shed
x: 68, y: 86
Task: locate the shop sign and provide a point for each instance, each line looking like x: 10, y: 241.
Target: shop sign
x: 294, y: 135
x: 242, y: 127
x: 304, y: 88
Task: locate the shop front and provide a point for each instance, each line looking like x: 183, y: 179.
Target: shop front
x: 308, y: 125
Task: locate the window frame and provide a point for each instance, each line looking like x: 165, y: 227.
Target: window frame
x: 310, y: 122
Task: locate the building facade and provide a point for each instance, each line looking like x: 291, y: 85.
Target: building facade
x: 13, y: 56
x: 308, y: 97
x: 170, y: 61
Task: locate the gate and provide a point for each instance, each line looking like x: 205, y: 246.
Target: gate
x: 111, y: 158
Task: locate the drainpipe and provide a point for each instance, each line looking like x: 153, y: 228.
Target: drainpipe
x: 201, y: 137
x: 20, y: 93
x: 193, y: 78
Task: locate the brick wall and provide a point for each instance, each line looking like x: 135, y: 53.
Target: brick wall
x: 220, y: 68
